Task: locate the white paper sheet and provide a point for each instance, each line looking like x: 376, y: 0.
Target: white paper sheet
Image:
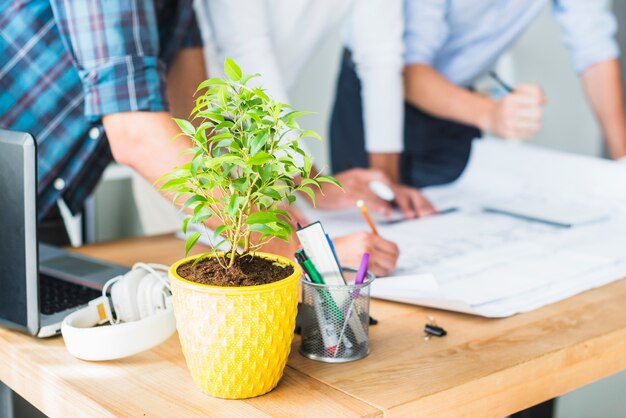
x: 496, y: 265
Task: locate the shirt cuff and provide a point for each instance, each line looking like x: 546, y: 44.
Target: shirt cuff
x: 593, y: 54
x: 383, y: 112
x: 131, y: 83
x: 193, y: 39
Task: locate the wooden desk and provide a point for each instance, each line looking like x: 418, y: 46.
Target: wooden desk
x: 483, y: 368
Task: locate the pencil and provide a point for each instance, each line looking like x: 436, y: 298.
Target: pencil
x: 366, y: 215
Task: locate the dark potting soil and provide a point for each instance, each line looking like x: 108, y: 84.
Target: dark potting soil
x: 247, y: 271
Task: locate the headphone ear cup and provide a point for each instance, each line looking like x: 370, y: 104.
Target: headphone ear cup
x: 124, y: 296
x: 149, y: 295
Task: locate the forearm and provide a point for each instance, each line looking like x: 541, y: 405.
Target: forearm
x: 186, y: 73
x: 142, y: 141
x: 603, y: 86
x: 388, y: 163
x: 430, y: 92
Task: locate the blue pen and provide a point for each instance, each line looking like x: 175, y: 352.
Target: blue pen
x: 332, y: 248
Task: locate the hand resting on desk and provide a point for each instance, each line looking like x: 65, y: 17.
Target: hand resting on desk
x: 356, y: 186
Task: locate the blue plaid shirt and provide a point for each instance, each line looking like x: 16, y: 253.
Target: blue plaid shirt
x: 66, y: 63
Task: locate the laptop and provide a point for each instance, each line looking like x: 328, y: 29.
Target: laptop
x: 39, y: 284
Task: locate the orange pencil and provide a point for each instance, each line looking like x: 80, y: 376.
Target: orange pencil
x: 366, y: 215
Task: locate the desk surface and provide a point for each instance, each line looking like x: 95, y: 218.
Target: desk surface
x: 484, y: 367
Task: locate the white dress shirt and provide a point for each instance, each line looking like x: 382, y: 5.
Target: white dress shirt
x: 463, y: 39
x: 276, y: 38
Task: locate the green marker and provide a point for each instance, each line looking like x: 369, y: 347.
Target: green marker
x: 317, y: 279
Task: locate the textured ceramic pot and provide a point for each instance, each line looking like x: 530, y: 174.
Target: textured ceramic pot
x: 236, y: 340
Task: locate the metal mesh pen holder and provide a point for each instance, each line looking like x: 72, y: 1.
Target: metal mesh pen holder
x: 335, y: 320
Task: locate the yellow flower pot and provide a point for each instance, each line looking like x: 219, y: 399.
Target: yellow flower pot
x: 236, y: 340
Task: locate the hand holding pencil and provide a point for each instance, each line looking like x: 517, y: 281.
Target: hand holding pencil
x: 383, y: 253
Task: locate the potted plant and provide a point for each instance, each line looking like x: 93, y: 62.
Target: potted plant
x: 235, y: 310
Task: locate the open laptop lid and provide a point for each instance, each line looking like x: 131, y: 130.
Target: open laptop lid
x: 19, y: 304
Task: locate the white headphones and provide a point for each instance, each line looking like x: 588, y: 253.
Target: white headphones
x: 142, y: 302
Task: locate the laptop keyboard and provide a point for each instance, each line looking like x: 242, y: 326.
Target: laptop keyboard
x: 58, y: 295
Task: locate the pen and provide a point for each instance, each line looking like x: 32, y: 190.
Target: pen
x: 362, y: 271
x: 332, y: 248
x: 360, y: 277
x: 316, y: 278
x: 307, y: 264
x: 324, y: 302
x: 501, y: 82
x: 366, y: 215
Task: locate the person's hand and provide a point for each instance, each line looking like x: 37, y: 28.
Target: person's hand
x: 383, y: 254
x: 518, y: 114
x: 356, y: 186
x: 411, y: 202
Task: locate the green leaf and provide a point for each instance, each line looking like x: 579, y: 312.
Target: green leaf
x: 226, y: 124
x: 266, y: 173
x: 220, y: 229
x: 185, y: 223
x: 271, y: 193
x: 233, y: 205
x: 329, y: 179
x: 294, y: 115
x: 258, y: 142
x: 248, y: 77
x: 193, y: 200
x: 200, y: 214
x: 310, y: 134
x: 241, y: 184
x: 173, y: 183
x: 308, y: 165
x: 260, y: 158
x: 195, y: 163
x: 185, y: 126
x: 191, y: 241
x: 232, y: 70
x: 307, y: 181
x: 261, y: 218
x: 309, y: 193
x: 210, y: 82
x: 262, y: 228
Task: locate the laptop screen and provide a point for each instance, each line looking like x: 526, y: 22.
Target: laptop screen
x: 18, y: 223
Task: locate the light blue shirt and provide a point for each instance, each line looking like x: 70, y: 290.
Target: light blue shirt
x: 463, y: 39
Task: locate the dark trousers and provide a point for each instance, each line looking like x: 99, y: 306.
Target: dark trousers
x: 436, y: 151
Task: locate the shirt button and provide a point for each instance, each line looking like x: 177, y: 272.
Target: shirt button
x: 94, y: 133
x: 59, y: 184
